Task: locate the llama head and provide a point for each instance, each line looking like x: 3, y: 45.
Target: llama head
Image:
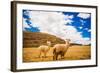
x: 67, y: 41
x: 48, y: 43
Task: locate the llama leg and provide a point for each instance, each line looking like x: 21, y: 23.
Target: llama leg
x: 62, y: 55
x: 44, y: 54
x: 57, y: 57
x: 54, y: 57
x: 40, y: 54
x: 54, y: 54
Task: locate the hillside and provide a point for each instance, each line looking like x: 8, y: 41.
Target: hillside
x: 35, y: 39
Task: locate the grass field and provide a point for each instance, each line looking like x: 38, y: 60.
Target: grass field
x: 75, y: 52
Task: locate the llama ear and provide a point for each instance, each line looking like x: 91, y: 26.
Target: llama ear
x: 68, y: 39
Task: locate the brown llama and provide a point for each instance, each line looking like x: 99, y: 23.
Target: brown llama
x: 60, y: 49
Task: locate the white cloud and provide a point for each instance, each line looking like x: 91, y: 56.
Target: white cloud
x: 25, y: 24
x: 69, y: 18
x: 54, y: 23
x: 89, y: 30
x: 82, y: 22
x: 84, y: 41
x: 75, y: 36
x: 84, y: 15
x: 86, y: 29
x: 80, y: 27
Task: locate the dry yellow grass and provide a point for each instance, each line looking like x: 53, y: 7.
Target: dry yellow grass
x: 73, y: 53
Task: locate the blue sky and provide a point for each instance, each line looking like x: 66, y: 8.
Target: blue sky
x: 78, y: 23
x: 81, y: 22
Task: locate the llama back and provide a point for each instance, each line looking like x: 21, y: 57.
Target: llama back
x: 60, y: 47
x: 43, y: 47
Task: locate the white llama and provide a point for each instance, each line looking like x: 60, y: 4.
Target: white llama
x: 44, y: 49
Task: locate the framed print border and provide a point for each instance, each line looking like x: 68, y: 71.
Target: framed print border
x: 14, y: 35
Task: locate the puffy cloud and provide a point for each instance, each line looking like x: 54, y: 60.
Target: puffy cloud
x: 86, y: 29
x: 84, y: 15
x: 25, y: 24
x: 84, y: 41
x: 69, y: 18
x: 89, y: 30
x: 82, y: 21
x: 48, y: 21
x: 80, y: 27
x: 75, y: 36
x: 55, y: 23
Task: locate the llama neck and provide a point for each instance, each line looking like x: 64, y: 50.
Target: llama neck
x: 67, y: 43
x: 48, y: 48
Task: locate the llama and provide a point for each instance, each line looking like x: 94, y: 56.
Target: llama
x: 60, y: 49
x: 44, y: 49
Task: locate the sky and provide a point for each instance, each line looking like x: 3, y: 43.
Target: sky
x: 75, y: 26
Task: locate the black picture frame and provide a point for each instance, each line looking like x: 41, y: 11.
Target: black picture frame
x: 14, y: 35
